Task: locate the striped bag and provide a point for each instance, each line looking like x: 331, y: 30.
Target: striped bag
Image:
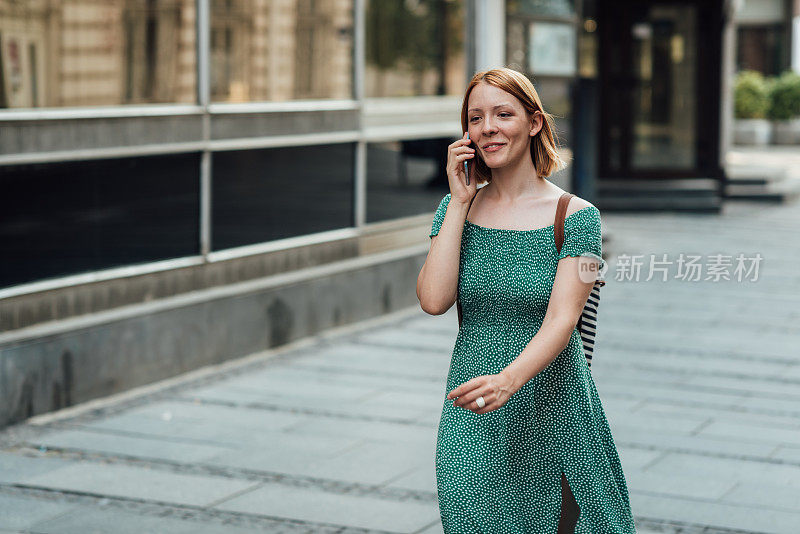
x: 587, y: 322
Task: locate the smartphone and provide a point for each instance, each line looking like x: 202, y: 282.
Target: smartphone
x: 466, y: 167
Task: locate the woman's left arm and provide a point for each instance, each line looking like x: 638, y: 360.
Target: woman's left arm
x: 567, y: 300
x: 579, y: 261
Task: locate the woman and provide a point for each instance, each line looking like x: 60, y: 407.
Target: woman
x: 523, y: 445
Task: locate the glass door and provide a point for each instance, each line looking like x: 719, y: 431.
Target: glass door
x: 663, y: 107
x: 651, y: 90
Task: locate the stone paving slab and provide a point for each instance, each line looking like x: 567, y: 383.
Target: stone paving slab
x: 15, y: 468
x: 139, y: 483
x: 336, y: 509
x: 422, y: 478
x: 743, y: 517
x: 204, y: 424
x: 634, y: 458
x: 89, y: 520
x: 315, y: 426
x: 744, y: 471
x: 630, y: 435
x: 433, y: 529
x: 614, y: 387
x: 331, y: 376
x: 684, y: 484
x: 375, y: 365
x: 266, y: 388
x: 788, y: 453
x: 675, y: 424
x: 656, y: 410
x: 117, y: 444
x: 386, y: 460
x: 364, y: 403
x: 23, y: 514
x: 766, y: 496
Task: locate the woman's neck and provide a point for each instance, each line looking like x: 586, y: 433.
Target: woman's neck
x: 521, y: 181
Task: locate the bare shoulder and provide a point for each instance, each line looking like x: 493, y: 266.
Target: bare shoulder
x: 577, y: 203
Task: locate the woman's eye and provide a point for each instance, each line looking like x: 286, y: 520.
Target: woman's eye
x: 501, y: 114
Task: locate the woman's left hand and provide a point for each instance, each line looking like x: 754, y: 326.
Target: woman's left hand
x: 495, y: 390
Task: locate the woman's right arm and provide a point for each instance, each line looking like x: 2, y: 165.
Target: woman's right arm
x: 437, y: 283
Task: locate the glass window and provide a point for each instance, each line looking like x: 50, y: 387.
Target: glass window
x: 262, y: 195
x: 588, y: 41
x: 762, y: 48
x: 72, y: 217
x: 405, y: 177
x: 89, y: 53
x: 541, y: 8
x: 415, y: 48
x: 263, y: 50
x: 545, y: 49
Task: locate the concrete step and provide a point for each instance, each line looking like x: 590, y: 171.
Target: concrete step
x: 628, y: 204
x: 784, y: 191
x: 755, y: 174
x: 684, y: 194
x: 762, y: 183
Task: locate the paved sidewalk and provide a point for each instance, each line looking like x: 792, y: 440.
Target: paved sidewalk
x: 700, y: 381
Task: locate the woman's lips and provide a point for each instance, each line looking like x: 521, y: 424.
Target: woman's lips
x: 494, y: 148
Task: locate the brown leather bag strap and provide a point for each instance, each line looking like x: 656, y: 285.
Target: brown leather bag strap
x: 561, y: 211
x: 471, y: 201
x: 458, y: 301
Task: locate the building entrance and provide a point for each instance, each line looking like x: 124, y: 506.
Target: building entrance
x: 659, y: 89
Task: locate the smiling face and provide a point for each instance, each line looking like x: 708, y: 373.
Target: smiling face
x: 496, y: 116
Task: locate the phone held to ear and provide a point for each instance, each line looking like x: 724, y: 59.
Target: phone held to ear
x: 466, y: 167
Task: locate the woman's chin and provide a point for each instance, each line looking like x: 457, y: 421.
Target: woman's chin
x: 495, y: 164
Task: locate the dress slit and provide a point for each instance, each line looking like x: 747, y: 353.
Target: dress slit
x: 569, y: 508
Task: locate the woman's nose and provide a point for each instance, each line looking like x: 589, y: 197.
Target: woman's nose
x: 488, y: 126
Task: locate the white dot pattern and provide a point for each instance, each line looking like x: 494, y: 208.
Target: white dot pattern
x: 500, y: 472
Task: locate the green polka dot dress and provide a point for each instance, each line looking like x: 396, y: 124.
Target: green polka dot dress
x: 500, y: 472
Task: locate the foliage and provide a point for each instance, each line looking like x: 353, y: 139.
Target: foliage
x: 751, y: 95
x: 784, y: 97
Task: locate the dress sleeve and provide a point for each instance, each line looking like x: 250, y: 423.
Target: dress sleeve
x: 582, y: 235
x: 438, y: 217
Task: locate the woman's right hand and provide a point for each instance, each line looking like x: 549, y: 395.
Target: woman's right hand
x: 457, y: 153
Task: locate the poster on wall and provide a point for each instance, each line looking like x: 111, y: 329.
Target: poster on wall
x: 551, y: 49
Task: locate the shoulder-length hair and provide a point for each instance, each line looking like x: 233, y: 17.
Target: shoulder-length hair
x: 543, y: 145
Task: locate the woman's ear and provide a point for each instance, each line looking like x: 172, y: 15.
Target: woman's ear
x: 536, y: 122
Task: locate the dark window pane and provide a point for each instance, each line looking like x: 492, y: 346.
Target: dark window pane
x: 405, y: 177
x: 262, y: 195
x: 70, y: 217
